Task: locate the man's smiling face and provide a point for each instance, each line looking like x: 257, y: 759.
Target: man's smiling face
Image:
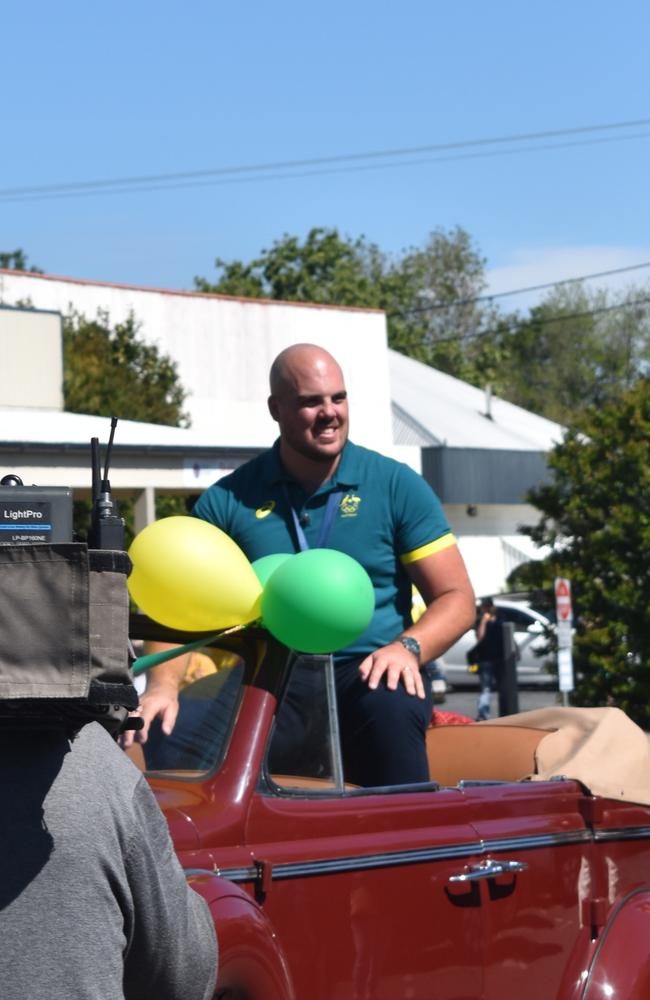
x: 310, y: 404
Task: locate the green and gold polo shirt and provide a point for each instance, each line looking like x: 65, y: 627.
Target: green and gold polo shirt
x: 387, y: 517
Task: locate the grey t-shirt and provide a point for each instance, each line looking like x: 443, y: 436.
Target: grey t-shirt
x: 93, y: 902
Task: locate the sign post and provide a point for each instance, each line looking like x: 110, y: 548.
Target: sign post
x: 508, y: 685
x: 564, y: 616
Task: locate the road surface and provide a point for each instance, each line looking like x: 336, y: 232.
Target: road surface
x: 466, y: 701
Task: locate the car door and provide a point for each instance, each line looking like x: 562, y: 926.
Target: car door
x: 358, y: 892
x: 532, y: 879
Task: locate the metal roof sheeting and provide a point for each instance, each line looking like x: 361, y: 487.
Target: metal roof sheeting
x: 29, y: 426
x: 441, y: 409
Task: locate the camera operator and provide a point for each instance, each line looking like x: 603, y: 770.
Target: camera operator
x: 93, y: 902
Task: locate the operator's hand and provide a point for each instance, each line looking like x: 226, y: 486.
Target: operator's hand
x: 397, y: 664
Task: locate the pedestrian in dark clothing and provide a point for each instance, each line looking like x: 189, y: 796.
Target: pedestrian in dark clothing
x: 489, y: 655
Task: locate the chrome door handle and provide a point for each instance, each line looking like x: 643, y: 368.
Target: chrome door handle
x: 488, y: 869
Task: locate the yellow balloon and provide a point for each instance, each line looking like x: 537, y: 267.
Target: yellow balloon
x: 188, y: 574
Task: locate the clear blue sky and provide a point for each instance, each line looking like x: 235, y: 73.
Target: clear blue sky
x: 94, y: 92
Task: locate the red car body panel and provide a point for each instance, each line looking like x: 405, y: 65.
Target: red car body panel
x: 620, y: 969
x: 531, y: 919
x: 251, y: 962
x: 367, y: 880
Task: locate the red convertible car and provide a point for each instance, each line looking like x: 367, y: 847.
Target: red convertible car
x: 495, y: 879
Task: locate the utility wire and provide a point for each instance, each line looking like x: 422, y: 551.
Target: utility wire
x: 232, y: 174
x: 318, y: 173
x: 536, y: 322
x: 515, y: 291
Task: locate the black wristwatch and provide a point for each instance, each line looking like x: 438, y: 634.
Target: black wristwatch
x: 413, y: 646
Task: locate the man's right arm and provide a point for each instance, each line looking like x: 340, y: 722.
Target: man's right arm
x: 160, y: 697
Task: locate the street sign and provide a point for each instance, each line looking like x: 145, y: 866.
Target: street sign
x: 563, y: 599
x: 564, y: 616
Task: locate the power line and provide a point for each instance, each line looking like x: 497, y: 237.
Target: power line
x: 233, y: 174
x: 561, y: 318
x: 317, y: 173
x: 582, y: 315
x: 515, y: 291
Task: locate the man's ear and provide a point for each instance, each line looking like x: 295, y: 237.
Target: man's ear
x: 272, y: 404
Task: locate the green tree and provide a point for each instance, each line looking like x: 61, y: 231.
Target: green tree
x: 428, y: 293
x: 434, y: 310
x: 112, y: 371
x: 325, y: 268
x: 16, y: 260
x: 595, y: 515
x: 575, y: 350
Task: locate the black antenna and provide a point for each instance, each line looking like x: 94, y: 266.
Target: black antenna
x: 106, y: 526
x: 109, y: 449
x: 95, y: 467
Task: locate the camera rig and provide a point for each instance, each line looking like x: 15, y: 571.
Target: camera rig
x: 64, y: 608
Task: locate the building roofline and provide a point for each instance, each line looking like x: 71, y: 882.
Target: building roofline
x: 22, y: 308
x: 68, y: 447
x: 185, y: 294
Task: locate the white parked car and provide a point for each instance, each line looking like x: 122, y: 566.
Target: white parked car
x: 531, y: 629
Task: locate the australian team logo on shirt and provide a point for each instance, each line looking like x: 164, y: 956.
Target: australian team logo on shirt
x: 265, y: 509
x: 349, y: 505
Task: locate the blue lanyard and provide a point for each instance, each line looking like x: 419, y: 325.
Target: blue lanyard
x: 333, y: 502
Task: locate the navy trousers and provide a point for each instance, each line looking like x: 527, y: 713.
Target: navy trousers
x: 383, y: 732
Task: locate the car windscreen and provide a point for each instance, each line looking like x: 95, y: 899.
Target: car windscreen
x: 209, y: 696
x: 303, y: 747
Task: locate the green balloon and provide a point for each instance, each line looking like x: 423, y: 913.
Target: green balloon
x: 267, y: 565
x: 318, y: 601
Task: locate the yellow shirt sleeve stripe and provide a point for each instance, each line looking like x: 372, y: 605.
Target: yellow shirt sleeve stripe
x: 428, y: 550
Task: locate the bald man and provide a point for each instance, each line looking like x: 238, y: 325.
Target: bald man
x: 315, y: 488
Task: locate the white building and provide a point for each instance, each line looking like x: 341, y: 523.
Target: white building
x: 480, y: 454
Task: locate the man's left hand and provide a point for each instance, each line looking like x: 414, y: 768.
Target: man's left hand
x: 397, y: 664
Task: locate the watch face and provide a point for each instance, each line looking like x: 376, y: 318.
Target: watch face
x: 412, y: 645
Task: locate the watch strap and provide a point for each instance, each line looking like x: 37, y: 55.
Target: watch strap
x: 413, y: 646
